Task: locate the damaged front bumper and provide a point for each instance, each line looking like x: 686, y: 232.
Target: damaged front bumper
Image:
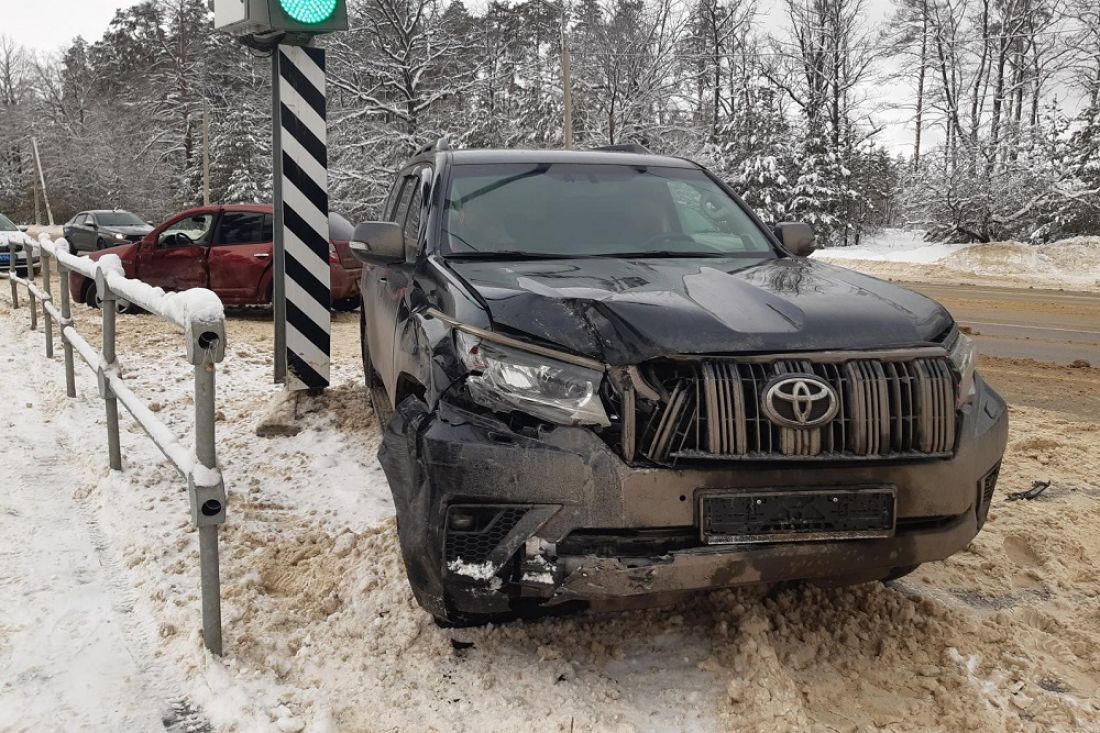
x: 490, y: 517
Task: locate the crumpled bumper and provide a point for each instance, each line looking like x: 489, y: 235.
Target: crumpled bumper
x: 445, y: 459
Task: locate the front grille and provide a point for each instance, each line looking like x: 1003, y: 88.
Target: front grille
x: 886, y: 408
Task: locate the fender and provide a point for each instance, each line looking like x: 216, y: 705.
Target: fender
x: 266, y: 284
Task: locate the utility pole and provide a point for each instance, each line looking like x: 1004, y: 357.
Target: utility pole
x: 205, y: 152
x: 37, y: 201
x: 42, y: 181
x: 567, y: 88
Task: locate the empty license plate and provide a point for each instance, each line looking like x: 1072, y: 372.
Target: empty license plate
x: 788, y: 516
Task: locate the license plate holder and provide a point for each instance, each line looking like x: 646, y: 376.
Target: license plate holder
x: 736, y: 517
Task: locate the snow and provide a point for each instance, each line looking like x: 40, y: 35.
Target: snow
x: 1071, y: 262
x: 893, y: 245
x: 477, y: 571
x: 67, y: 661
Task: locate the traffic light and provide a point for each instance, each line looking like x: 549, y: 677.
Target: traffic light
x: 298, y: 19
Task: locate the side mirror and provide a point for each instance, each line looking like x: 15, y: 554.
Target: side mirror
x: 378, y: 243
x: 23, y: 229
x: 93, y: 226
x: 797, y: 238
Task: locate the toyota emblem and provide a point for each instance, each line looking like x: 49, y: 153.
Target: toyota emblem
x: 800, y: 401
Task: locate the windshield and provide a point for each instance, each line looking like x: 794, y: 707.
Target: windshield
x: 118, y: 219
x: 583, y: 210
x: 6, y: 225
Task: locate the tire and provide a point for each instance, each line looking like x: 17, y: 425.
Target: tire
x: 345, y: 305
x: 100, y: 244
x: 91, y: 299
x: 901, y: 572
x: 379, y: 400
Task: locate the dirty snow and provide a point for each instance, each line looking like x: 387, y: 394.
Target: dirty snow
x: 322, y: 633
x: 1070, y: 263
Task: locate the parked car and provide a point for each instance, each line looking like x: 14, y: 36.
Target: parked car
x: 94, y: 230
x: 227, y: 249
x: 7, y: 227
x: 602, y: 377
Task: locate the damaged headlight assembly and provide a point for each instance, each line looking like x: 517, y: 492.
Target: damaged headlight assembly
x: 509, y: 378
x: 963, y: 355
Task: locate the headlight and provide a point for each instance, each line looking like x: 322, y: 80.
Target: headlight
x: 119, y: 237
x: 511, y: 379
x: 964, y: 356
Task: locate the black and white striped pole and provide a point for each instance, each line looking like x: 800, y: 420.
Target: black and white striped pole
x: 301, y: 287
x: 301, y: 291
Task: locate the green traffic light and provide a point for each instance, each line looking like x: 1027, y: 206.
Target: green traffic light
x: 309, y: 11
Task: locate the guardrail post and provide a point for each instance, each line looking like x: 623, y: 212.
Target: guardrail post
x: 206, y: 347
x: 45, y: 259
x: 12, y: 275
x: 28, y: 254
x: 66, y: 321
x: 110, y: 362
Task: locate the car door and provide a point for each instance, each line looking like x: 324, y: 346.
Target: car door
x: 240, y: 256
x: 175, y: 259
x: 72, y: 231
x: 85, y: 232
x: 385, y: 286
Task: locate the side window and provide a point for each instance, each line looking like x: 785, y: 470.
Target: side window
x: 192, y: 230
x: 402, y: 209
x: 244, y: 227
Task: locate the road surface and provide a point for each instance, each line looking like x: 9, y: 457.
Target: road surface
x: 1020, y: 323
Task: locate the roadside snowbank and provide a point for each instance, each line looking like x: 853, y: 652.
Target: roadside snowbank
x: 1071, y: 263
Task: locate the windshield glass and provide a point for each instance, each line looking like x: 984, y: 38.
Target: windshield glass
x: 579, y: 210
x: 6, y: 225
x: 118, y: 219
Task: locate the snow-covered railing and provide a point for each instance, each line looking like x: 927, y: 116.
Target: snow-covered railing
x: 199, y: 313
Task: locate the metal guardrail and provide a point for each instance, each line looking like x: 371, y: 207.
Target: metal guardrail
x: 199, y: 313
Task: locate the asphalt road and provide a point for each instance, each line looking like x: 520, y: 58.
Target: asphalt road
x: 1053, y: 326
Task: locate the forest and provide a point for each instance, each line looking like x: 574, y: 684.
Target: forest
x: 1000, y: 103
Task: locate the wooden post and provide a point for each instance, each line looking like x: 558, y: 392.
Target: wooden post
x: 42, y: 181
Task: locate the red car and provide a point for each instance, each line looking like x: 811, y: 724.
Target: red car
x: 227, y: 249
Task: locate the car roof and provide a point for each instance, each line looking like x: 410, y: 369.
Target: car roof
x: 106, y: 211
x: 585, y: 157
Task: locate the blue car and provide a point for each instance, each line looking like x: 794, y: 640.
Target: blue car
x: 7, y: 230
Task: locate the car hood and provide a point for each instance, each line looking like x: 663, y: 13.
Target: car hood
x: 624, y: 311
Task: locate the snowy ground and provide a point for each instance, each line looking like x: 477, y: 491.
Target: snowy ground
x: 99, y: 591
x: 903, y: 254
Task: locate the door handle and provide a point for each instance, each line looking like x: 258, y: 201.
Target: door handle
x: 382, y: 280
x: 261, y: 255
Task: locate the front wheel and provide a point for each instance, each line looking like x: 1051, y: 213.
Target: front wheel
x: 92, y: 299
x: 100, y: 244
x: 345, y: 305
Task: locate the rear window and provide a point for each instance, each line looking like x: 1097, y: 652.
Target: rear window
x: 591, y: 210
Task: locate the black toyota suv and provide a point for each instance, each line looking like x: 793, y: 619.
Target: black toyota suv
x: 603, y: 378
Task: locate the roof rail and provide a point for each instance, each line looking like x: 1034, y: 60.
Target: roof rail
x: 625, y: 148
x: 442, y: 143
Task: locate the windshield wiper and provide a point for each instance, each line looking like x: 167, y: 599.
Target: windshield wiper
x: 509, y: 254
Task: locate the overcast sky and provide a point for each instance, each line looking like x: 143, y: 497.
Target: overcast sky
x: 49, y: 25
